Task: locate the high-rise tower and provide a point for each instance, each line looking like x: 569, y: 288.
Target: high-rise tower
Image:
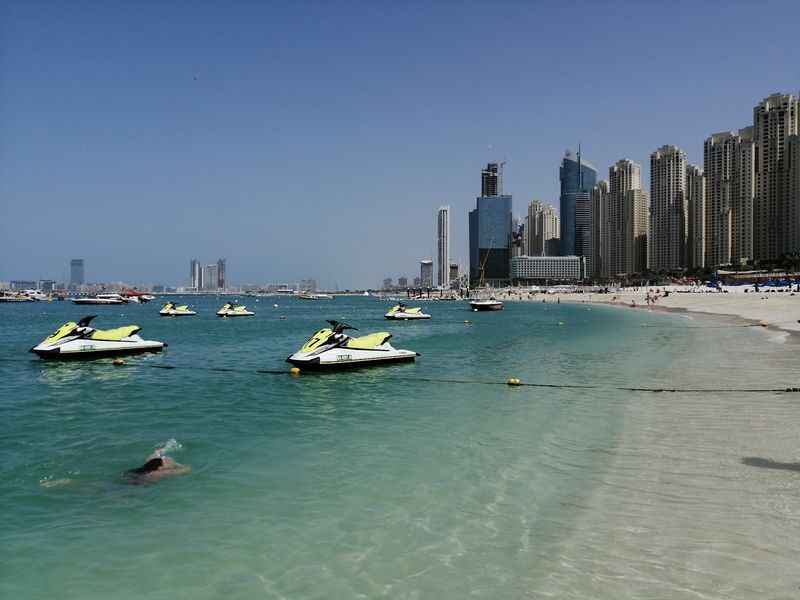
x: 443, y: 247
x: 577, y: 177
x: 668, y: 209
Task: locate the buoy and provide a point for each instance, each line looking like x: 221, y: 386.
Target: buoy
x: 294, y: 371
x: 513, y: 381
x: 274, y: 306
x: 561, y: 322
x: 467, y: 322
x: 119, y: 361
x: 474, y: 310
x: 283, y: 317
x: 763, y: 323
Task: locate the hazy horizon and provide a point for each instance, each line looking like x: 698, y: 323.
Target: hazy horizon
x: 319, y: 140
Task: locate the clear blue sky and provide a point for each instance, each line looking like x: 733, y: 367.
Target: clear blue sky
x: 317, y: 139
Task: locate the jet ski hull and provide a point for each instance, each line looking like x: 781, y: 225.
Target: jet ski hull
x: 175, y: 313
x: 406, y: 316
x: 236, y: 314
x: 87, y: 349
x: 347, y: 358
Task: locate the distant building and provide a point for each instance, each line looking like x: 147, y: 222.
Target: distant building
x: 544, y: 269
x: 426, y: 272
x: 453, y: 272
x: 46, y: 285
x: 387, y: 284
x: 776, y: 212
x: 599, y: 233
x: 729, y: 168
x: 210, y: 277
x: 443, y: 247
x: 577, y: 177
x: 625, y: 222
x: 77, y: 275
x: 584, y: 244
x: 308, y: 285
x: 696, y: 211
x: 222, y: 282
x: 196, y: 274
x: 22, y: 285
x: 669, y: 225
x: 417, y: 282
x: 402, y: 282
x: 492, y: 180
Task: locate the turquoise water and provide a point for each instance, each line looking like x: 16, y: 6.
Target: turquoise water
x: 393, y: 482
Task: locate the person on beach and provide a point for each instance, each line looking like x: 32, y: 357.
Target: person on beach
x: 157, y: 466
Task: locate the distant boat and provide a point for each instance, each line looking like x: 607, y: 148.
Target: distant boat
x: 310, y: 296
x: 101, y: 299
x: 482, y: 305
x: 15, y: 298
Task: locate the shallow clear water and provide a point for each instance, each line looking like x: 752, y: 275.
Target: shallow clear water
x: 397, y: 481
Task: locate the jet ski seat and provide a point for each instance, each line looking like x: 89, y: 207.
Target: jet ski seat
x: 115, y: 335
x: 366, y: 342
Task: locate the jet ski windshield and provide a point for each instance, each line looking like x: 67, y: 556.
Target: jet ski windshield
x: 339, y: 327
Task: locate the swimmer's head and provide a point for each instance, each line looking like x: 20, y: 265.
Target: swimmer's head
x: 151, y: 465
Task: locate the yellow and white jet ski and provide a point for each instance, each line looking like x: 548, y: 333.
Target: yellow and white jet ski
x: 234, y: 309
x: 170, y: 309
x: 79, y: 340
x: 331, y: 348
x: 401, y: 312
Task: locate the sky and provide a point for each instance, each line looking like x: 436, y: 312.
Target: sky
x: 318, y: 139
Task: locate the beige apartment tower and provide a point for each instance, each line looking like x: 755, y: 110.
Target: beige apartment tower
x: 775, y: 120
x: 729, y: 163
x: 668, y: 209
x: 696, y: 210
x: 543, y: 230
x: 626, y: 221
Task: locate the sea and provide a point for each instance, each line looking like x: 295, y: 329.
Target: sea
x: 647, y: 455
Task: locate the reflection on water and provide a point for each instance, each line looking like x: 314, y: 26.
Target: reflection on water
x: 768, y: 463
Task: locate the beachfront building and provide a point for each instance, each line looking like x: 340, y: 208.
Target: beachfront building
x: 210, y: 277
x: 599, y: 209
x: 626, y: 221
x: 543, y: 269
x: 696, y: 214
x: 77, y: 275
x: 668, y: 210
x: 221, y: 280
x: 402, y: 282
x: 490, y: 231
x: 728, y: 166
x: 196, y: 273
x: 775, y: 120
x: 453, y: 272
x: 793, y: 160
x: 426, y: 272
x: 443, y: 247
x: 577, y: 177
x: 543, y: 230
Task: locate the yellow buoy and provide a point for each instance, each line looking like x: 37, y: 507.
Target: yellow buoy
x: 119, y: 361
x: 294, y: 371
x: 513, y: 381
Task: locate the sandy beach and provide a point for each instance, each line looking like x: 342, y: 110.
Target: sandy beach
x: 777, y: 310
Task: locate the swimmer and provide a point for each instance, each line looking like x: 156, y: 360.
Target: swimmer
x: 157, y: 466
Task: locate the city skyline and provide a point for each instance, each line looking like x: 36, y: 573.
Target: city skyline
x: 218, y: 134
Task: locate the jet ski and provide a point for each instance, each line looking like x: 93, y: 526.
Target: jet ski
x: 234, y: 309
x: 332, y: 348
x: 79, y: 340
x: 401, y: 312
x: 170, y: 309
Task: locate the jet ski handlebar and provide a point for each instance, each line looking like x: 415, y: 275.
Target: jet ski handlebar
x: 84, y: 322
x: 340, y: 327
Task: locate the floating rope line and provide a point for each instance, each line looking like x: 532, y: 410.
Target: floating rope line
x: 509, y: 382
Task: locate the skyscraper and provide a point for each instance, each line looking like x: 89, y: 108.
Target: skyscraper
x: 775, y: 120
x: 543, y: 230
x: 625, y: 221
x: 584, y: 245
x: 76, y: 272
x: 210, y: 277
x: 577, y: 177
x: 221, y: 280
x: 490, y: 231
x: 728, y: 166
x: 492, y: 180
x: 443, y: 247
x: 668, y: 209
x: 696, y: 214
x: 793, y: 161
x: 453, y: 272
x: 196, y: 274
x: 426, y: 272
x: 599, y: 210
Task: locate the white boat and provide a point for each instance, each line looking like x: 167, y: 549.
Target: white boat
x: 101, y: 299
x: 314, y: 296
x: 37, y: 295
x: 15, y: 298
x: 490, y: 304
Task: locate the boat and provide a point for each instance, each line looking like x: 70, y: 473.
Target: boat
x: 16, y: 298
x: 81, y: 341
x: 490, y: 304
x: 170, y: 309
x: 136, y: 296
x: 36, y: 295
x: 314, y: 296
x: 234, y: 309
x: 401, y: 312
x: 332, y: 348
x: 101, y: 299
